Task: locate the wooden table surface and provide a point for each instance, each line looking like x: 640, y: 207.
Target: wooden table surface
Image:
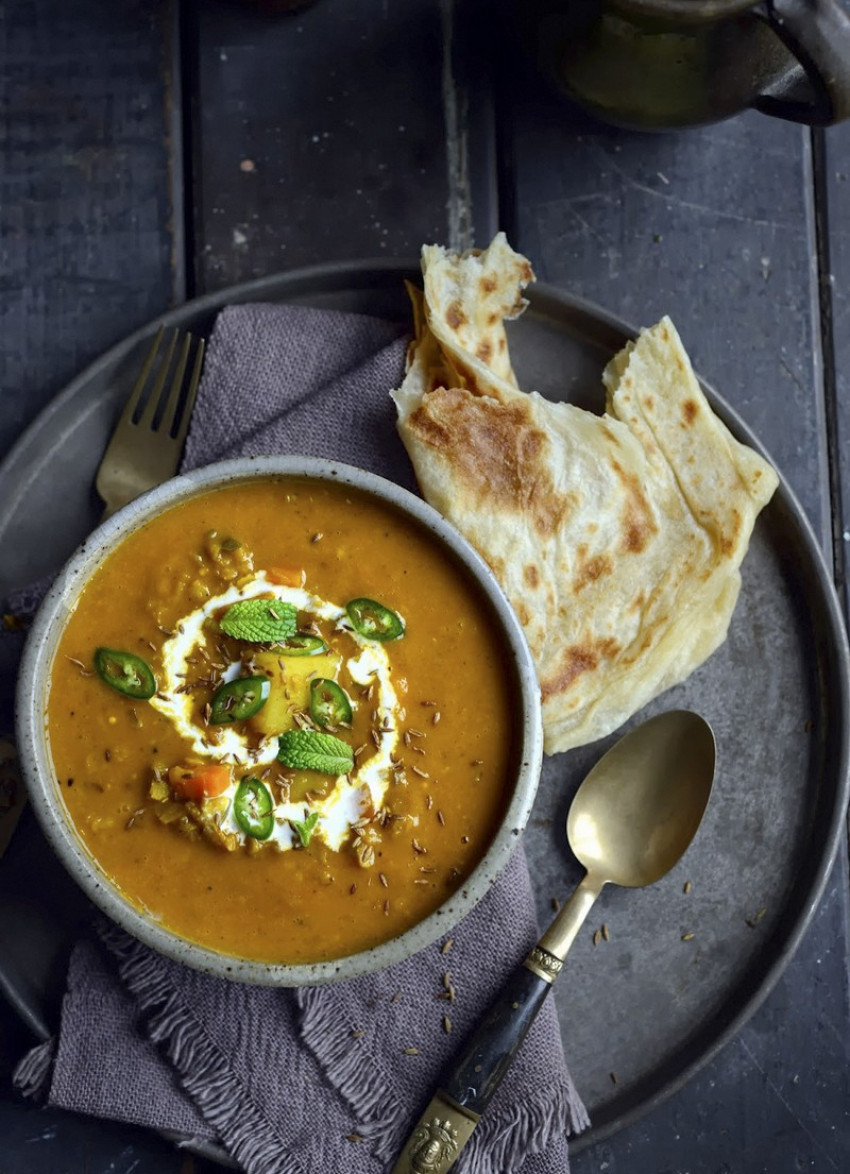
x: 156, y: 151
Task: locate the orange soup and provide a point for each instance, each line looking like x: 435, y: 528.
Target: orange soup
x: 282, y: 722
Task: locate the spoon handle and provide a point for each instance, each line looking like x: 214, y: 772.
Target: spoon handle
x: 450, y: 1118
x: 480, y: 1067
x: 453, y: 1112
x: 493, y: 1045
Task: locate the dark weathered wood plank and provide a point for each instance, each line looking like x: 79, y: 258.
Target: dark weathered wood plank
x: 836, y: 247
x: 87, y: 234
x: 85, y: 204
x: 321, y: 135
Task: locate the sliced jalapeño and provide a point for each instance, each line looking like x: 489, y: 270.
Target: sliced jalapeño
x: 253, y: 808
x: 125, y: 672
x: 238, y: 700
x: 302, y: 644
x: 374, y: 621
x: 329, y: 705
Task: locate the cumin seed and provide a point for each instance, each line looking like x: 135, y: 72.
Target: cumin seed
x: 423, y: 774
x: 382, y: 878
x: 411, y: 1051
x: 686, y: 887
x: 605, y: 931
x: 317, y: 537
x: 597, y: 936
x: 447, y: 1025
x: 358, y: 1033
x: 441, y: 818
x: 387, y: 907
x: 447, y: 945
x: 687, y: 937
x: 556, y: 904
x: 417, y: 847
x: 432, y: 704
x: 436, y: 718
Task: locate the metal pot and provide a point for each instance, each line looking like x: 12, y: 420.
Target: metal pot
x: 667, y: 63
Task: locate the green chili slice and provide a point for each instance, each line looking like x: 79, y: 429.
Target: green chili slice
x: 238, y: 700
x: 253, y: 808
x: 374, y: 621
x: 125, y: 672
x: 329, y: 705
x: 302, y: 644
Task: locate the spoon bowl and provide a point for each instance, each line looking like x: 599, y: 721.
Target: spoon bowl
x: 640, y: 806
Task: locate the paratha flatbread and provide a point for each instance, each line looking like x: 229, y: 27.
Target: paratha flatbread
x: 617, y: 538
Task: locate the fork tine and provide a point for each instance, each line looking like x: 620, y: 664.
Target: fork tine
x: 146, y: 418
x: 136, y: 394
x: 189, y: 402
x: 169, y: 412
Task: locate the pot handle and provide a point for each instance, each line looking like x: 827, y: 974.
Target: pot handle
x: 817, y: 33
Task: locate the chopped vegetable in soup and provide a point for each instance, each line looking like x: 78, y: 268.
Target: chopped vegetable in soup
x: 284, y: 750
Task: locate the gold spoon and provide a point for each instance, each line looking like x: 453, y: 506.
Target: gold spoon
x: 631, y: 820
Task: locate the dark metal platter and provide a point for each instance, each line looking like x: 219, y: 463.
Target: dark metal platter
x: 644, y: 1009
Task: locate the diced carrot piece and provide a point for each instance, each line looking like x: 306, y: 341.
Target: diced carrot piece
x: 199, y: 781
x: 287, y: 576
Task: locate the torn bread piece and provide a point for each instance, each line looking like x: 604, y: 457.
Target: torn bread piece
x: 618, y: 537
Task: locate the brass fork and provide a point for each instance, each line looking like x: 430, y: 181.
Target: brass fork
x: 148, y: 439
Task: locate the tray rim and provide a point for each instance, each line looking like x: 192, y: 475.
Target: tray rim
x: 361, y: 275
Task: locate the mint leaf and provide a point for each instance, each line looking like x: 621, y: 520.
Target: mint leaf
x: 310, y: 750
x: 260, y: 621
x: 305, y: 829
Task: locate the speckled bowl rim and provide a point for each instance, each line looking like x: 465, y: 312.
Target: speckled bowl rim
x: 49, y: 808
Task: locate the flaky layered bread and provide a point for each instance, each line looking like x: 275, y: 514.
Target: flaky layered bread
x: 617, y: 538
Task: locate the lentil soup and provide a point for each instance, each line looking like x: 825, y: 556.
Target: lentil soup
x: 281, y: 720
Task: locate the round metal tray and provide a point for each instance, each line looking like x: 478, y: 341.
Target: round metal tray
x: 643, y: 1010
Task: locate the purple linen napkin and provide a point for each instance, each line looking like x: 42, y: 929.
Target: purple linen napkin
x: 324, y: 1079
